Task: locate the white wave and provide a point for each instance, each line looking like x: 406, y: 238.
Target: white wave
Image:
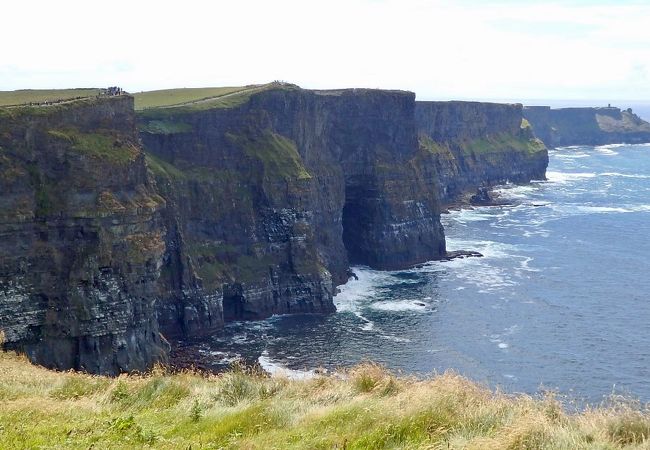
x: 399, y: 305
x: 489, y: 249
x: 525, y: 264
x: 470, y: 215
x: 363, y: 288
x: 600, y: 209
x: 278, y: 370
x: 389, y: 337
x: 608, y: 149
x: 222, y: 357
x: 566, y: 177
x: 368, y: 324
x: 576, y: 155
x: 624, y: 175
x: 239, y: 338
x: 503, y: 345
x: 571, y: 147
x: 516, y: 192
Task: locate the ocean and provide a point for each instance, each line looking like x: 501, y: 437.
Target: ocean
x: 560, y: 301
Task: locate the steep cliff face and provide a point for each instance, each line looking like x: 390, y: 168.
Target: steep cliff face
x: 472, y: 144
x: 249, y: 205
x: 272, y: 199
x: 81, y: 237
x: 586, y: 126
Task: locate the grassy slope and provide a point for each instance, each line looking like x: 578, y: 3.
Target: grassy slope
x: 165, y: 111
x: 159, y: 104
x: 169, y: 97
x: 41, y: 95
x: 367, y: 409
x: 503, y: 142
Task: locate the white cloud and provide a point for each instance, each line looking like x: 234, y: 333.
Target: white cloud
x: 439, y: 49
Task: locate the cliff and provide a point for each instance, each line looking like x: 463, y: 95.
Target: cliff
x: 471, y: 144
x: 249, y: 203
x: 587, y: 126
x: 271, y: 196
x: 81, y: 237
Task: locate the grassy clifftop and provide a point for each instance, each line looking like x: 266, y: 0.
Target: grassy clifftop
x: 173, y: 101
x: 364, y: 408
x: 43, y: 95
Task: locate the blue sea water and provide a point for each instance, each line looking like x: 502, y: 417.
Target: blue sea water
x: 560, y: 301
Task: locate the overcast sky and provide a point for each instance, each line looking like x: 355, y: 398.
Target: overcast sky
x: 439, y: 49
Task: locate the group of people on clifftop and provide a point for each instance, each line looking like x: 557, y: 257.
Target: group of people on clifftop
x: 112, y: 91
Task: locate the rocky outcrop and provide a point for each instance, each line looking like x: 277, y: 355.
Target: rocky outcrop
x: 272, y: 199
x: 470, y: 145
x: 81, y: 238
x: 587, y: 126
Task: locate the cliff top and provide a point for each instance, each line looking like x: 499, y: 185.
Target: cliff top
x: 27, y: 96
x: 49, y: 107
x: 198, y: 99
x: 339, y: 92
x: 609, y: 119
x: 465, y: 102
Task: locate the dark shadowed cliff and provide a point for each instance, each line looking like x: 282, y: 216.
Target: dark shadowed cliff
x: 472, y: 144
x: 272, y: 199
x: 587, y: 126
x: 81, y: 237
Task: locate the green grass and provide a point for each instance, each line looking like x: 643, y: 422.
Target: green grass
x: 161, y: 105
x: 41, y: 95
x: 431, y: 146
x: 362, y: 408
x: 171, y: 97
x: 98, y: 145
x: 278, y: 155
x: 503, y: 142
x: 162, y: 168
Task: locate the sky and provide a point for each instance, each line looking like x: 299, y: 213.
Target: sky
x: 440, y: 49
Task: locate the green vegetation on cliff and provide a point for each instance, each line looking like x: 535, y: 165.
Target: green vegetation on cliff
x: 363, y: 408
x: 107, y: 146
x: 278, y: 155
x: 165, y: 127
x: 431, y: 146
x: 503, y: 142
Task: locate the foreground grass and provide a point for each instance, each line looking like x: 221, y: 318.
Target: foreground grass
x: 365, y: 408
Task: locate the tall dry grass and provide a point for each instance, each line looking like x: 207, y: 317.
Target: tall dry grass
x: 365, y: 407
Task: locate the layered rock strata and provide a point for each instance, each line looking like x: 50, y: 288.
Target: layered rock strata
x: 471, y: 145
x: 81, y: 238
x: 273, y: 199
